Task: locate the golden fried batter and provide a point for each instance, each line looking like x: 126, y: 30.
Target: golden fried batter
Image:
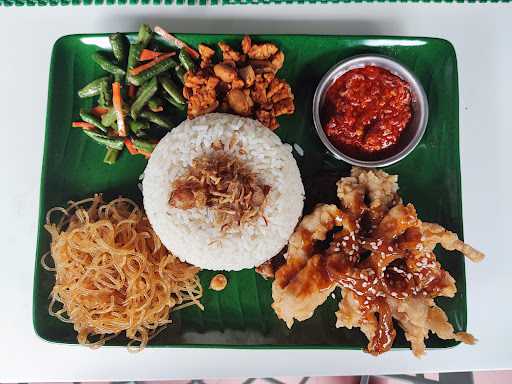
x: 381, y: 256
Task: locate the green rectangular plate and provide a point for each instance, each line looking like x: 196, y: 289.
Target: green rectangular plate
x: 241, y: 316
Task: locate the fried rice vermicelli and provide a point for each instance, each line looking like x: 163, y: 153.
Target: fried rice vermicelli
x: 112, y: 273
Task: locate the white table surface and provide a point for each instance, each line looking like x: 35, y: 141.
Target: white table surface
x: 482, y: 36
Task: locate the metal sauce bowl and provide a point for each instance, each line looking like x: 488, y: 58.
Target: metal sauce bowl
x: 410, y: 136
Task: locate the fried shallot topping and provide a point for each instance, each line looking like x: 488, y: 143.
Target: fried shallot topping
x: 225, y: 184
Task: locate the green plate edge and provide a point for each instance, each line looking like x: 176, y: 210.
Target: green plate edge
x: 461, y: 284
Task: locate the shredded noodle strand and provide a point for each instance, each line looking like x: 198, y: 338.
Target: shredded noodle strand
x: 112, y: 273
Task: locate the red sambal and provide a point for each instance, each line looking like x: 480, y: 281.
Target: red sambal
x: 366, y: 110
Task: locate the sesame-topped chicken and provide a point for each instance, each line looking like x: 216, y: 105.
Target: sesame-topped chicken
x: 381, y: 256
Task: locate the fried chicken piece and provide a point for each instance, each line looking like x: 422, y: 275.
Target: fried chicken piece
x: 247, y: 75
x: 434, y: 234
x: 399, y: 280
x: 302, y: 284
x: 246, y: 44
x: 262, y: 66
x: 279, y: 90
x: 265, y: 270
x: 381, y: 189
x: 206, y: 54
x: 246, y: 88
x: 267, y: 118
x: 349, y: 315
x: 238, y: 84
x: 259, y: 92
x: 225, y: 72
x: 240, y: 102
x: 418, y: 316
x: 202, y: 101
x: 278, y: 60
x: 284, y: 107
x: 262, y: 51
x: 228, y: 53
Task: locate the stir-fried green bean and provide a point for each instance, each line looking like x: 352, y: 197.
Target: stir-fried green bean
x: 149, y: 92
x: 186, y: 61
x: 111, y: 156
x: 144, y: 145
x: 138, y: 127
x: 120, y: 46
x: 155, y: 70
x: 172, y: 89
x: 174, y: 103
x: 155, y: 104
x: 91, y: 119
x: 111, y: 142
x: 94, y: 87
x: 107, y: 64
x: 180, y: 72
x: 157, y: 118
x: 145, y: 93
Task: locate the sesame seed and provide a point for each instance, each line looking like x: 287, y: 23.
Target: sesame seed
x: 344, y: 243
x: 345, y: 237
x: 371, y: 272
x: 418, y: 264
x: 424, y: 293
x: 394, y: 294
x: 365, y: 285
x: 409, y: 276
x: 382, y: 254
x: 406, y: 294
x: 390, y: 249
x: 365, y: 302
x: 333, y: 295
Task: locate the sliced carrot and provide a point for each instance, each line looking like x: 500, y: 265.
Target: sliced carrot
x: 132, y: 91
x: 99, y: 111
x: 145, y: 67
x: 148, y: 54
x: 134, y: 151
x: 82, y: 124
x: 131, y: 148
x: 174, y: 41
x: 118, y: 106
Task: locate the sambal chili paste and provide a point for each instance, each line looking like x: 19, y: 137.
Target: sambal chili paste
x: 366, y: 110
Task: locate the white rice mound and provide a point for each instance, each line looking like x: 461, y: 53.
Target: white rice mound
x: 190, y: 234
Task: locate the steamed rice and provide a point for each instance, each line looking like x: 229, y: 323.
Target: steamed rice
x: 191, y: 234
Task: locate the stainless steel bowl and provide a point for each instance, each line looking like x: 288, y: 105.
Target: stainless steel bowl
x: 410, y: 137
